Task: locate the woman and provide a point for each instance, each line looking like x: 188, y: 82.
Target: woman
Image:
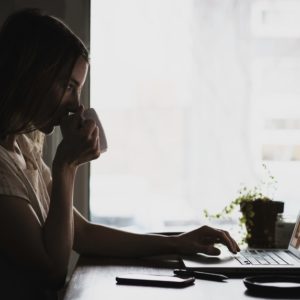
x: 43, y: 67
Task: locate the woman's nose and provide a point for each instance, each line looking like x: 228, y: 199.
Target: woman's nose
x: 75, y: 103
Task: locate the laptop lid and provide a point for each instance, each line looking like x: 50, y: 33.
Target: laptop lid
x: 294, y: 245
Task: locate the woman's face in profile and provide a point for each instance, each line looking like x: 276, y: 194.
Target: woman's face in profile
x: 71, y: 99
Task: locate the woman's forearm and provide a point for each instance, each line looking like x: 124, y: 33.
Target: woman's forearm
x: 93, y: 239
x: 58, y: 231
x: 104, y: 241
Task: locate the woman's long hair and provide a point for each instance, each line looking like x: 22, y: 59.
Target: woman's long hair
x: 37, y: 55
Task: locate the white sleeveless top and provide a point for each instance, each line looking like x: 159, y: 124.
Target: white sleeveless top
x: 30, y: 183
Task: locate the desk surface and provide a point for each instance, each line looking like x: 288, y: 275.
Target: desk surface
x: 94, y: 279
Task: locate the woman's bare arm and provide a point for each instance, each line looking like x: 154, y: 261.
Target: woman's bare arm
x: 94, y: 239
x: 45, y: 249
x: 41, y: 250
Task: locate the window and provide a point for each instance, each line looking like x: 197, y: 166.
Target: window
x: 194, y: 96
x: 275, y: 92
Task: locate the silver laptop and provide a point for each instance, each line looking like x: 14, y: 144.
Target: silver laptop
x: 251, y: 261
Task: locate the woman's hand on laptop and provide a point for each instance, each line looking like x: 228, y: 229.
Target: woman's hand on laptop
x: 203, y: 239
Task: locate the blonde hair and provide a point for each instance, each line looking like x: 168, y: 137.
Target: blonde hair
x: 38, y: 138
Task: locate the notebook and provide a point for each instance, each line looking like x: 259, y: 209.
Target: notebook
x: 251, y: 261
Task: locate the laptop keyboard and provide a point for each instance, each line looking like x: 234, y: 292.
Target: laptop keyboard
x: 260, y: 257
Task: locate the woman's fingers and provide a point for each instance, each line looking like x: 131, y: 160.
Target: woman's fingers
x: 213, y: 236
x: 90, y: 140
x: 203, y: 240
x: 95, y: 150
x: 80, y: 138
x: 233, y: 242
x: 70, y: 124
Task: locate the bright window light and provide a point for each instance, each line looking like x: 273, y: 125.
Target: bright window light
x: 192, y: 103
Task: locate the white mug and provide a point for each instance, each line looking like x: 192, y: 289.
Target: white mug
x: 91, y: 114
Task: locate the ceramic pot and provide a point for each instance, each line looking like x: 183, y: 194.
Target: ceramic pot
x: 261, y: 216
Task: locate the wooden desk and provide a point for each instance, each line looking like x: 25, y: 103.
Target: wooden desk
x: 94, y: 279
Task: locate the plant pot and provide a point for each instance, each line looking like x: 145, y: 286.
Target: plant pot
x: 260, y: 218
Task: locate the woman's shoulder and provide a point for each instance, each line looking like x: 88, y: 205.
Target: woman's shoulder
x: 11, y: 180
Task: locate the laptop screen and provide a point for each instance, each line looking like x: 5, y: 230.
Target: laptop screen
x: 295, y: 240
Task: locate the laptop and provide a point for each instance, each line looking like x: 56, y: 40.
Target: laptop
x: 251, y: 261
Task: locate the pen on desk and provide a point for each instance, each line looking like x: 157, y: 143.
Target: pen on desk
x: 200, y: 275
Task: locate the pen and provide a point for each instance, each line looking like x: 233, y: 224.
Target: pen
x: 200, y: 275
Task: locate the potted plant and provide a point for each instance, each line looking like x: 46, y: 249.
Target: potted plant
x: 259, y: 213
